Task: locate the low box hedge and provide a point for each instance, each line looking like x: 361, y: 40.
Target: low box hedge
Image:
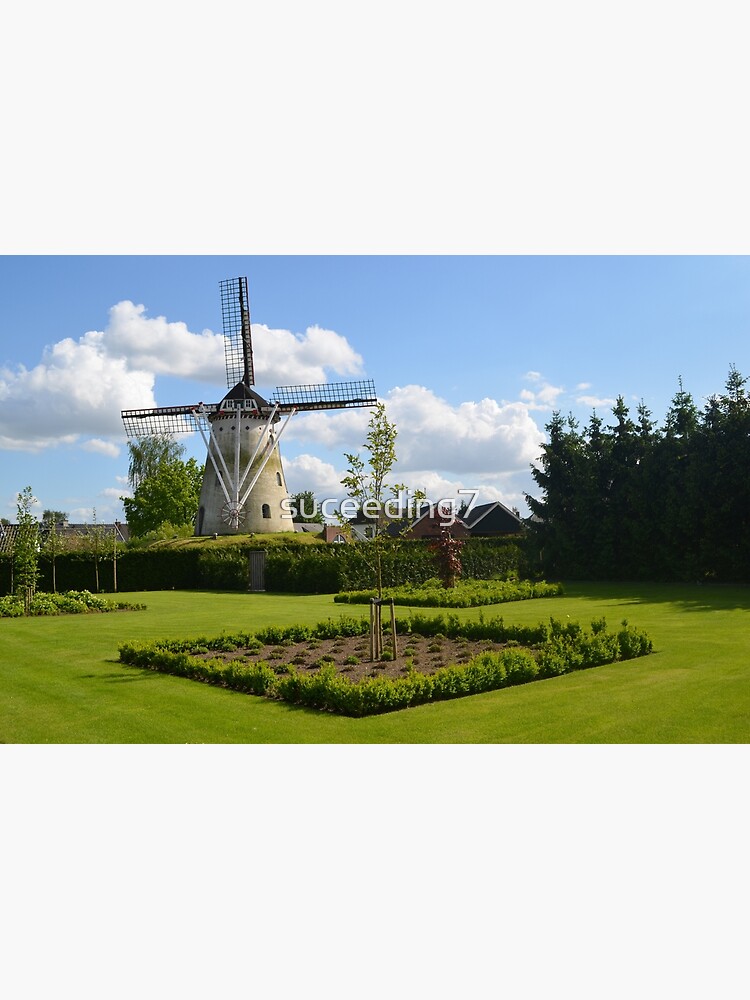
x: 466, y: 594
x: 550, y: 649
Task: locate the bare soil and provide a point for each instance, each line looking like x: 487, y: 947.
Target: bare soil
x: 351, y: 655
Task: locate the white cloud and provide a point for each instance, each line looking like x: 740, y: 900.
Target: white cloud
x: 99, y: 447
x: 160, y: 347
x: 595, y: 401
x: 77, y: 388
x: 582, y: 386
x: 281, y: 357
x: 80, y: 386
x: 341, y: 429
x: 470, y: 437
x: 306, y: 472
x: 467, y: 437
x: 543, y: 398
x: 441, y: 447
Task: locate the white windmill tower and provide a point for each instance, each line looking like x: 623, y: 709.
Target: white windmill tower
x: 243, y: 483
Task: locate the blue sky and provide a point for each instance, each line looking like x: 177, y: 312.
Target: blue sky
x: 470, y: 353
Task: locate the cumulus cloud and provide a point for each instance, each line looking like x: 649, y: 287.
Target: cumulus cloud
x: 115, y: 492
x: 281, y: 357
x: 434, y: 434
x: 441, y: 447
x: 99, y: 447
x: 75, y: 389
x: 307, y: 472
x: 80, y: 386
x: 595, y: 401
x: 543, y: 396
x: 160, y: 347
x: 470, y: 437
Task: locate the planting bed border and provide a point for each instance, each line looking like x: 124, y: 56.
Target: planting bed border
x: 539, y: 651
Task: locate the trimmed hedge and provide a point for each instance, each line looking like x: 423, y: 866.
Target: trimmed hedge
x: 330, y: 569
x: 309, y: 568
x: 466, y: 594
x: 559, y: 648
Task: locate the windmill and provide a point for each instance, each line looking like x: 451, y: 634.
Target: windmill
x: 243, y: 483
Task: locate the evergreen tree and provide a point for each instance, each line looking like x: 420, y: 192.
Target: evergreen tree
x: 644, y: 505
x: 555, y: 520
x: 676, y: 482
x: 724, y: 460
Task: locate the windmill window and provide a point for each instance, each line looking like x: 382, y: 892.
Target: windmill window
x: 278, y: 479
x: 265, y: 510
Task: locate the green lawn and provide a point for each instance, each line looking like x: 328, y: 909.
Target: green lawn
x: 60, y: 681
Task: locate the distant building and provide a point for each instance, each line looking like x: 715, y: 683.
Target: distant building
x: 488, y: 520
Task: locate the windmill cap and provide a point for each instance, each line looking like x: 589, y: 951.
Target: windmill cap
x: 243, y: 392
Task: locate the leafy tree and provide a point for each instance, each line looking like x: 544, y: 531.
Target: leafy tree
x: 306, y: 507
x: 171, y: 493
x: 98, y: 541
x: 53, y: 543
x: 54, y: 517
x: 26, y: 549
x: 149, y: 454
x: 367, y: 483
x: 447, y: 551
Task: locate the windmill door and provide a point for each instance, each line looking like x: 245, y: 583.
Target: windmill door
x: 257, y: 569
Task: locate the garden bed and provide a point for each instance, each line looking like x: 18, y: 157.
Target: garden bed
x: 72, y: 602
x: 350, y: 655
x: 327, y: 666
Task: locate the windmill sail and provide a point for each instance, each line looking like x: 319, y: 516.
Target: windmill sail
x: 238, y: 345
x: 325, y: 396
x: 163, y: 420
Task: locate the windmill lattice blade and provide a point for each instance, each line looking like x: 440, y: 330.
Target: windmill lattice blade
x: 162, y: 420
x: 326, y: 396
x: 238, y: 346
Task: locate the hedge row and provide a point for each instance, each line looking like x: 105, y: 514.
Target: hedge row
x: 559, y: 649
x: 466, y: 594
x: 321, y: 569
x: 335, y: 568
